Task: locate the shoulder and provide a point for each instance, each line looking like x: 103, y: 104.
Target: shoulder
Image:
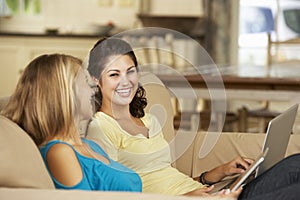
x: 105, y: 131
x: 101, y: 121
x: 61, y: 155
x: 96, y: 125
x: 61, y: 151
x: 100, y: 116
x: 64, y: 164
x: 102, y: 125
x: 60, y: 148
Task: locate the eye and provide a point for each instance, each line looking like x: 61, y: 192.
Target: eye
x: 131, y: 71
x: 113, y: 75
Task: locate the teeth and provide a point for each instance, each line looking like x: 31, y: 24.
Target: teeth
x: 123, y: 90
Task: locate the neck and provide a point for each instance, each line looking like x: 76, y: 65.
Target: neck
x: 117, y: 112
x: 72, y: 138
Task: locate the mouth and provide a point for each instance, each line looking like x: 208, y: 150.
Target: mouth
x: 124, y: 92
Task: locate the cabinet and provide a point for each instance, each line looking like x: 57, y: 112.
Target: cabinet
x: 17, y: 51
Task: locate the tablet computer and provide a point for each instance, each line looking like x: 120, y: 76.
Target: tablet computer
x: 247, y: 175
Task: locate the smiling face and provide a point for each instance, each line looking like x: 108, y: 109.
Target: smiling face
x: 119, y: 82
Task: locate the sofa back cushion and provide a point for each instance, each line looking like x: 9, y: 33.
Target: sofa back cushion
x: 21, y: 163
x: 159, y: 102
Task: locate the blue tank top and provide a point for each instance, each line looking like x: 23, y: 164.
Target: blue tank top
x: 98, y: 175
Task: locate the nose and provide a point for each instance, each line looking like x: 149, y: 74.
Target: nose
x: 124, y: 80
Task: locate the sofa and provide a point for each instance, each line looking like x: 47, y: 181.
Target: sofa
x: 23, y: 174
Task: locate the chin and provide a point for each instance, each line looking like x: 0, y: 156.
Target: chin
x: 123, y: 100
x: 122, y: 103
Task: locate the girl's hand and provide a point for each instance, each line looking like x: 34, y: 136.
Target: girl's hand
x: 226, y: 193
x: 223, y: 194
x: 237, y: 166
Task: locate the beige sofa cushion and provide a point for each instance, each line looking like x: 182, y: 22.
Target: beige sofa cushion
x: 159, y: 102
x: 227, y: 147
x: 230, y: 145
x: 3, y: 102
x: 21, y: 163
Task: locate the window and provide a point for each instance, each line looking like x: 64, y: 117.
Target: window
x: 19, y: 7
x: 292, y: 18
x: 4, y: 10
x: 249, y: 22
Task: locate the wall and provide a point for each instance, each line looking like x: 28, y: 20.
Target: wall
x: 177, y: 7
x: 70, y: 15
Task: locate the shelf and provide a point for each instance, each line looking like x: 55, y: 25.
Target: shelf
x: 183, y: 24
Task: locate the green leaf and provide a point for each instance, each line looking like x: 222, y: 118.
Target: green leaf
x: 13, y: 5
x: 32, y: 6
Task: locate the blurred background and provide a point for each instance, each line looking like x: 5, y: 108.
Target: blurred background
x: 244, y: 38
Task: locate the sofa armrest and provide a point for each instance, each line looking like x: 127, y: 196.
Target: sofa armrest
x: 46, y: 194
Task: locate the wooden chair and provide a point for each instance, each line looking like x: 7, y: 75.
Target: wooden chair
x: 274, y: 61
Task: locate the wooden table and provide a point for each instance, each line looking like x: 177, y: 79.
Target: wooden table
x: 252, y: 83
x: 238, y: 82
x: 245, y: 84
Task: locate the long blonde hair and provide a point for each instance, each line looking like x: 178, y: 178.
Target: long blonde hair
x: 44, y: 102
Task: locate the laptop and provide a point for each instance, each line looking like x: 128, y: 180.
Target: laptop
x: 277, y: 138
x: 274, y: 149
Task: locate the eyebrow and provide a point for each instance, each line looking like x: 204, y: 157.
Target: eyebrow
x: 116, y: 70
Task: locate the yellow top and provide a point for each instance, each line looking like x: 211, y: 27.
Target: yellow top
x: 149, y: 157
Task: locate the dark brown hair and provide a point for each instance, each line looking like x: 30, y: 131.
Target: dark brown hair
x: 98, y: 58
